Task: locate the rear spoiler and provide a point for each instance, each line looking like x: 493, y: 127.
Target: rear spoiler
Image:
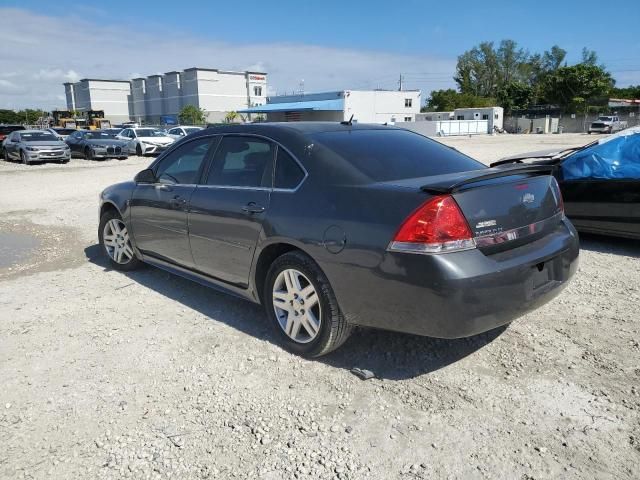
x: 465, y: 178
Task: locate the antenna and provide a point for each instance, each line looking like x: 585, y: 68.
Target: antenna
x: 348, y: 122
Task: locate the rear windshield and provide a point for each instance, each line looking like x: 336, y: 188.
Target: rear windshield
x: 64, y: 131
x: 6, y: 129
x: 394, y: 154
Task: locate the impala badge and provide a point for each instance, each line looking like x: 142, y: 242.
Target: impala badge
x: 528, y: 198
x: 486, y: 223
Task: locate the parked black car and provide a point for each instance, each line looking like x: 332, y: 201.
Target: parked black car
x: 600, y: 182
x: 334, y: 225
x: 96, y: 144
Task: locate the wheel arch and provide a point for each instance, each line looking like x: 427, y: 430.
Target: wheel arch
x: 108, y: 205
x: 266, y: 257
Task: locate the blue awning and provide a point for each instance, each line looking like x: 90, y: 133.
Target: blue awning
x: 336, y: 105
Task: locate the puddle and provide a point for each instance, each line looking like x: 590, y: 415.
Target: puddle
x: 16, y: 248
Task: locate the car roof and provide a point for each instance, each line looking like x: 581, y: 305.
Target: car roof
x: 33, y: 130
x: 304, y: 128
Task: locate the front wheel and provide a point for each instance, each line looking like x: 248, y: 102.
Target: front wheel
x: 116, y: 243
x: 302, y: 307
x: 138, y: 150
x: 88, y: 153
x: 24, y: 158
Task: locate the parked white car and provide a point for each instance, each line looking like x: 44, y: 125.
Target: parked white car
x: 607, y: 124
x: 145, y: 141
x: 182, y: 131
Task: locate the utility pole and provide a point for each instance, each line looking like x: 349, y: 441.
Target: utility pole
x: 400, y: 83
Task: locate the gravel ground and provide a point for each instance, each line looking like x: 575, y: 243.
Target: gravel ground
x: 145, y: 375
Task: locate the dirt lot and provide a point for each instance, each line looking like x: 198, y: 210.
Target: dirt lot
x: 145, y: 375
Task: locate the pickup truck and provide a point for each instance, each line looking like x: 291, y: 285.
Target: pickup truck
x: 607, y: 124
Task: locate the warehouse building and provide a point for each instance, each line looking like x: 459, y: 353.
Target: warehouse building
x: 366, y: 106
x: 112, y: 96
x: 159, y: 98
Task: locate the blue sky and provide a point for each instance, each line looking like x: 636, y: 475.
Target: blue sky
x: 328, y: 44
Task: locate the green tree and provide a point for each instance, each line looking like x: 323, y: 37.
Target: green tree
x: 515, y: 96
x: 630, y: 92
x: 574, y: 87
x: 448, y: 100
x: 230, y: 117
x: 192, y: 115
x: 10, y: 116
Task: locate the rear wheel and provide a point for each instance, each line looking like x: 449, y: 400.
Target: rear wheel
x: 302, y: 306
x: 115, y: 240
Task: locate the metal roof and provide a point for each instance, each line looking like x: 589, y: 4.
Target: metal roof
x: 336, y: 105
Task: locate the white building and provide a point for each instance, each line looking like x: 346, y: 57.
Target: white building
x: 366, y: 106
x: 159, y: 98
x: 112, y: 96
x: 493, y: 115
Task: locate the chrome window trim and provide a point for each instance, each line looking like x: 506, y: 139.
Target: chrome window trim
x: 278, y: 145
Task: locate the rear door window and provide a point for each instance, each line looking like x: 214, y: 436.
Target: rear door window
x: 242, y: 162
x: 380, y: 155
x: 288, y: 172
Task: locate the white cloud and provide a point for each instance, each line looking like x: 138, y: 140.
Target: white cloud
x: 56, y: 74
x: 96, y: 50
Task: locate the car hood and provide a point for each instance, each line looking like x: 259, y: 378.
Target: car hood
x: 157, y: 140
x: 117, y: 143
x: 46, y: 143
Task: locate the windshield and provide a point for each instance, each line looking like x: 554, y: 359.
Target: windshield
x: 616, y: 158
x: 38, y: 137
x: 64, y: 131
x: 150, y: 132
x: 98, y: 135
x: 385, y: 155
x: 605, y: 119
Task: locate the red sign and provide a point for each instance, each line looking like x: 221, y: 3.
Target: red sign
x: 257, y: 77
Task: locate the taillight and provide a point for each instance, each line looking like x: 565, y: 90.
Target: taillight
x: 557, y: 193
x: 437, y: 226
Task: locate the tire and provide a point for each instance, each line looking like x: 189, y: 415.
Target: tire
x: 138, y: 150
x: 88, y: 153
x: 333, y: 329
x: 128, y: 261
x: 6, y: 155
x: 23, y: 157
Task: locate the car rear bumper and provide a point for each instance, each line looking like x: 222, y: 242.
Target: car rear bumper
x: 459, y: 294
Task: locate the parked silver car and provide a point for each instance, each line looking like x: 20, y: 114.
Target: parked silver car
x: 31, y: 146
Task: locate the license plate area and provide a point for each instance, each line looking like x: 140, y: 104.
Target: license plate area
x: 545, y: 276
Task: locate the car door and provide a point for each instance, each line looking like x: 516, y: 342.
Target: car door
x: 159, y: 210
x: 74, y: 141
x: 10, y: 146
x: 601, y: 186
x: 227, y: 210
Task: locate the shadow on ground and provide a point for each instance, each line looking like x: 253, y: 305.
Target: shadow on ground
x: 389, y: 355
x: 612, y: 245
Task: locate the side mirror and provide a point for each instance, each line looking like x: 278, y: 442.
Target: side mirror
x: 145, y: 176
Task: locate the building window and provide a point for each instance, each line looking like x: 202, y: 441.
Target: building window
x: 407, y: 119
x: 460, y: 117
x: 485, y: 117
x: 257, y: 91
x: 408, y: 102
x: 495, y: 116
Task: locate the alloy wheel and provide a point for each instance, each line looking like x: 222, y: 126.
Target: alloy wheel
x: 115, y: 239
x: 297, y: 306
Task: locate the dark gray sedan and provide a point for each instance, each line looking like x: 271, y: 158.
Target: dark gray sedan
x: 97, y: 144
x: 333, y: 225
x: 30, y: 146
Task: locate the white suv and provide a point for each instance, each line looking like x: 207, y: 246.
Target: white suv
x: 145, y: 140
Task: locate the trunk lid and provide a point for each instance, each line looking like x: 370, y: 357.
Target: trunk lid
x: 502, y: 206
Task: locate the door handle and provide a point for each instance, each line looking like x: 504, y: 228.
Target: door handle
x: 178, y: 201
x: 164, y: 187
x: 252, y: 207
